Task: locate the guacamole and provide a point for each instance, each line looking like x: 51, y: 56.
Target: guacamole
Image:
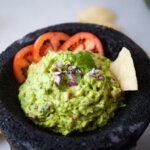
x: 70, y: 92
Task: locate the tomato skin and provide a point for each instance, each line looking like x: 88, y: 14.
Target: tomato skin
x: 21, y: 62
x: 48, y: 41
x: 83, y: 41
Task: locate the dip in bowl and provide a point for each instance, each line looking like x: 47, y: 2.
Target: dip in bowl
x: 70, y: 92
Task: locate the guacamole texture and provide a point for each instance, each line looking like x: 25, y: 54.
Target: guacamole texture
x: 70, y: 92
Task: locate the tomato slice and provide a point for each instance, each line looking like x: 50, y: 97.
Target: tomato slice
x: 21, y: 62
x: 83, y: 41
x: 48, y: 41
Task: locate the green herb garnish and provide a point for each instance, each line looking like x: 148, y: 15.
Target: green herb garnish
x: 45, y: 109
x: 83, y: 60
x: 78, y: 77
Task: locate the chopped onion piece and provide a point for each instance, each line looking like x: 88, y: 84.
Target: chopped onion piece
x: 72, y: 83
x: 74, y: 67
x: 57, y: 73
x: 59, y: 69
x: 81, y: 73
x: 57, y: 80
x: 92, y: 72
x: 72, y: 76
x: 54, y: 65
x: 101, y: 77
x: 69, y: 63
x: 112, y: 80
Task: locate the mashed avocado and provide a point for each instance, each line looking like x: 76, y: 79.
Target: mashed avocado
x: 70, y: 91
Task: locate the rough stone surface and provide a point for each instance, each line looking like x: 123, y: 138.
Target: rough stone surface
x: 120, y: 133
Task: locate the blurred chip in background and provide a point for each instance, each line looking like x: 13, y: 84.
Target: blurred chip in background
x: 98, y: 15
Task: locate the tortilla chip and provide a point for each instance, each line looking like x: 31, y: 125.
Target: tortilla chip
x: 96, y: 13
x: 124, y: 70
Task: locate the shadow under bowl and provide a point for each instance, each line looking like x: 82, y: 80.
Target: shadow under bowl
x: 120, y: 133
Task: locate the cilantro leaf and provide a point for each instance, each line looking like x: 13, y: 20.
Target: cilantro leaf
x: 45, y: 109
x: 78, y: 77
x: 84, y: 60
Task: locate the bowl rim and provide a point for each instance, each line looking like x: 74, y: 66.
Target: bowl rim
x: 22, y: 143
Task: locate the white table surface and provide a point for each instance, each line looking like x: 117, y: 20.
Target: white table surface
x: 18, y: 17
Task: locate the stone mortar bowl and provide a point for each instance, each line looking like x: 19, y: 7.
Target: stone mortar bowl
x: 120, y: 133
